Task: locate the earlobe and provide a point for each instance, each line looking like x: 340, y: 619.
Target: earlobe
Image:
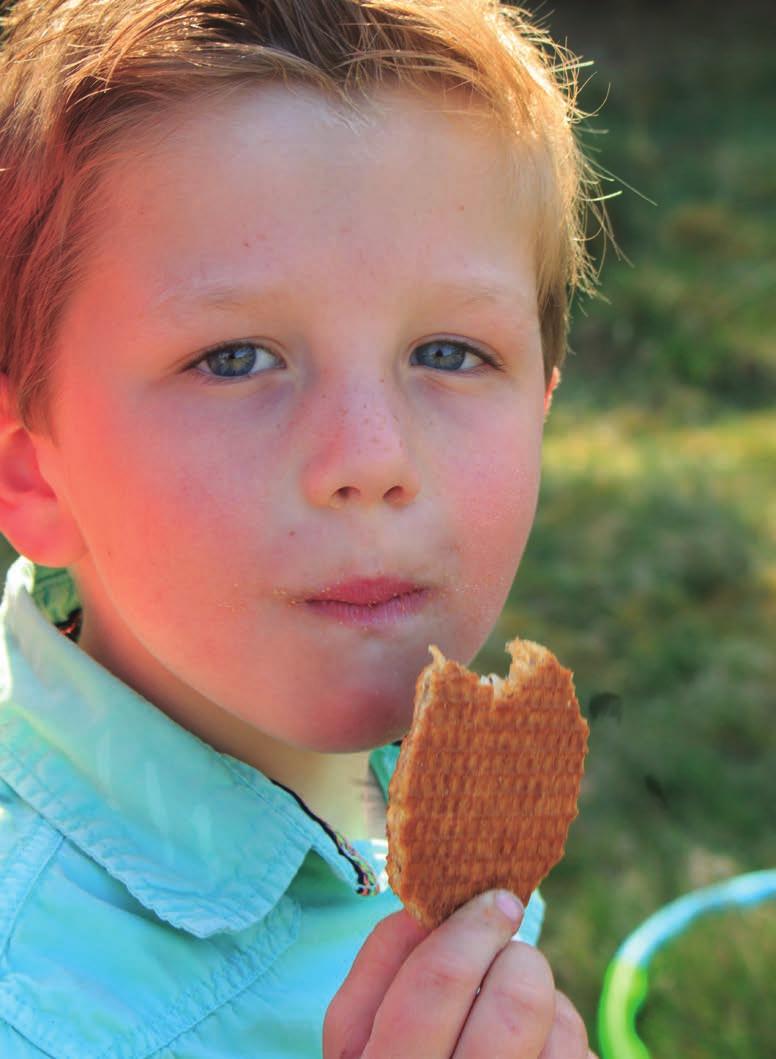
x: 32, y: 516
x: 551, y: 387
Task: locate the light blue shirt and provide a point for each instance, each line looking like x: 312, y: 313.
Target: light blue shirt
x: 158, y: 898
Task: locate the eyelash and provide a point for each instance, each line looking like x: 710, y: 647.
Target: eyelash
x: 486, y: 358
x: 212, y: 379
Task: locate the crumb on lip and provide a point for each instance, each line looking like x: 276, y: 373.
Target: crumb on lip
x: 350, y: 603
x: 369, y: 603
x: 296, y: 600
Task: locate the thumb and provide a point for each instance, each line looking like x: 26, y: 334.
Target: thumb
x: 348, y: 1022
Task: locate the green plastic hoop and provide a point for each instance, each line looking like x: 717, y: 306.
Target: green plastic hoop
x: 626, y: 982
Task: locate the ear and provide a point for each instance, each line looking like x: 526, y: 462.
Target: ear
x: 33, y: 518
x: 551, y: 387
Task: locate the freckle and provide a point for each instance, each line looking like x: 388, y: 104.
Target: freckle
x: 292, y: 533
x: 246, y: 242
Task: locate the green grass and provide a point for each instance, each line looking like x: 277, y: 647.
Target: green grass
x: 682, y: 100
x: 651, y: 570
x: 709, y: 992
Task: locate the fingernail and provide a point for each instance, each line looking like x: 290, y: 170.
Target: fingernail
x: 509, y: 905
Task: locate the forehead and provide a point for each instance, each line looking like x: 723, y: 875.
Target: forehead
x: 269, y: 177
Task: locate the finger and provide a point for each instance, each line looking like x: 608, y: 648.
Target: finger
x: 568, y: 1036
x: 513, y: 1014
x: 349, y: 1018
x: 426, y: 1006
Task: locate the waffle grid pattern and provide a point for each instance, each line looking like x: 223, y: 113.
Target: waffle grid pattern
x: 485, y: 788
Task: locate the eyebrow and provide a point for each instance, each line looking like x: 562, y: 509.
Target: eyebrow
x: 217, y: 296
x: 478, y: 291
x: 226, y: 296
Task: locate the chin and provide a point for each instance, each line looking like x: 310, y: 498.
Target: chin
x: 347, y: 725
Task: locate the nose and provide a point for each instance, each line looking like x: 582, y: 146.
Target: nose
x: 360, y: 452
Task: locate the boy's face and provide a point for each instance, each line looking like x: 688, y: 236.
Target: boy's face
x: 372, y: 430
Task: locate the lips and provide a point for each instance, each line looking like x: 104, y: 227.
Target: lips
x: 365, y: 591
x: 369, y: 603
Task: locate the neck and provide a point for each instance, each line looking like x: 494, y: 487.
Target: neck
x: 339, y: 788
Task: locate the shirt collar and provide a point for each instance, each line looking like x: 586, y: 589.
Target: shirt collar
x: 205, y: 841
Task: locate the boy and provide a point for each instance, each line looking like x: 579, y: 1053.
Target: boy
x: 282, y: 304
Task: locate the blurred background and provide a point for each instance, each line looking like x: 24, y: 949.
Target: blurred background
x: 651, y: 571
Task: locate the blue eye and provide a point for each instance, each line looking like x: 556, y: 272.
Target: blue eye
x: 447, y: 355
x: 239, y: 360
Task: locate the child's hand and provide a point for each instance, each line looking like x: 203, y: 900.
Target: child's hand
x: 412, y: 994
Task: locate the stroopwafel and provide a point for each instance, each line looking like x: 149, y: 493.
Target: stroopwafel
x: 487, y: 781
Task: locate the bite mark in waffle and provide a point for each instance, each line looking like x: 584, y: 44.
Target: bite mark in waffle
x: 487, y: 781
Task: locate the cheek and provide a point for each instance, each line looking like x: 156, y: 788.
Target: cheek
x: 494, y: 502
x: 496, y: 505
x: 182, y: 495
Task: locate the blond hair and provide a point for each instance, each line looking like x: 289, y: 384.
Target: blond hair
x: 78, y: 76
